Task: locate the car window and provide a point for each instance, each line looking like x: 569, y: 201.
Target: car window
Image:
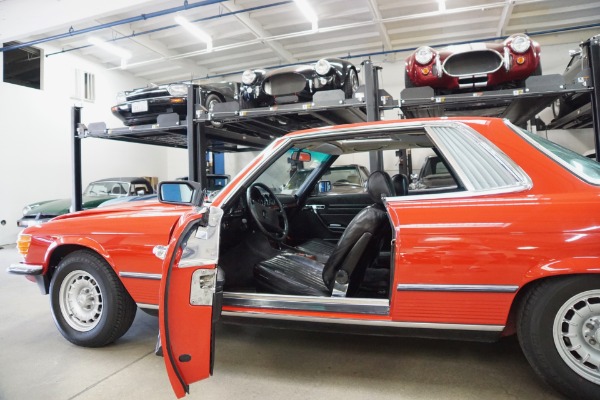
x: 107, y: 188
x: 479, y: 163
x: 581, y: 166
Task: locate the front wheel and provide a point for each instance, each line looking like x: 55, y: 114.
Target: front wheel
x: 351, y: 83
x: 90, y: 306
x: 559, y: 332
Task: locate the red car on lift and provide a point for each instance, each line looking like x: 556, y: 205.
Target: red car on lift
x: 512, y: 246
x: 474, y: 66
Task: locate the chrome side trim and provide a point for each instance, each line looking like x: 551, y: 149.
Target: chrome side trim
x: 457, y: 288
x: 148, y: 306
x: 381, y: 323
x: 326, y: 304
x: 140, y: 275
x: 25, y: 269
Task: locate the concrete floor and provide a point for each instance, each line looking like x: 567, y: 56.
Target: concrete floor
x: 252, y: 363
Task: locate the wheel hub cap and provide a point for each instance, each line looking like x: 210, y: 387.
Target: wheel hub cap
x: 577, y: 334
x: 80, y: 300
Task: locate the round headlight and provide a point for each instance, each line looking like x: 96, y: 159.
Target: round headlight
x: 121, y: 97
x: 520, y: 43
x: 26, y: 209
x: 177, y: 89
x: 248, y: 77
x: 424, y: 55
x: 322, y: 67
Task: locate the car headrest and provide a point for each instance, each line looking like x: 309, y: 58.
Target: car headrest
x: 400, y: 184
x: 379, y: 185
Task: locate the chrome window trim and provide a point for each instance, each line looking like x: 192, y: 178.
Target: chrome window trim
x: 404, y: 287
x: 522, y: 180
x: 328, y: 132
x: 326, y: 304
x: 364, y: 322
x: 140, y: 275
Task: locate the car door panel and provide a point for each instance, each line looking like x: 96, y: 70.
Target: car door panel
x: 327, y: 216
x: 190, y: 302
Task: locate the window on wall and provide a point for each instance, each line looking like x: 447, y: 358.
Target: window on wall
x: 85, y: 85
x: 22, y: 66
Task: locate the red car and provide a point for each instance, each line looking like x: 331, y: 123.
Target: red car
x: 474, y: 66
x: 512, y: 246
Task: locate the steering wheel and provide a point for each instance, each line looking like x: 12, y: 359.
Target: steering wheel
x: 269, y: 216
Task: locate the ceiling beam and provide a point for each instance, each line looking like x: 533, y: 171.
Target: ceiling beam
x: 160, y: 49
x: 259, y: 31
x: 385, y: 38
x: 505, y: 17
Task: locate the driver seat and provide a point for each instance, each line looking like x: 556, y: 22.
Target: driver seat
x: 342, y: 273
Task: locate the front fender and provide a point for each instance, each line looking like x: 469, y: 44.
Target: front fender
x: 79, y: 243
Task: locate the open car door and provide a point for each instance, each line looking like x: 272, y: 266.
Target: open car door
x: 190, y: 298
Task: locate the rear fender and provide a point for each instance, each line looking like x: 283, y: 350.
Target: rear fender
x: 566, y: 266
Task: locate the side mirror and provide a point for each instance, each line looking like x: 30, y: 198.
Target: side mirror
x: 301, y: 156
x: 180, y: 192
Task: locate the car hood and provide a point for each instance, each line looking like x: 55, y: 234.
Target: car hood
x: 298, y: 69
x: 131, y: 218
x: 62, y: 206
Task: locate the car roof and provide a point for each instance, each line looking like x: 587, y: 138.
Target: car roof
x: 129, y: 179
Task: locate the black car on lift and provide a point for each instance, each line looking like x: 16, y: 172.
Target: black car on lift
x: 142, y: 106
x: 297, y: 83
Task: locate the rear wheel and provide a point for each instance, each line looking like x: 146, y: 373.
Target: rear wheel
x: 211, y: 100
x: 559, y: 331
x: 90, y: 306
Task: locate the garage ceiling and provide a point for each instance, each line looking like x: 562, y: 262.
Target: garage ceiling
x: 258, y: 33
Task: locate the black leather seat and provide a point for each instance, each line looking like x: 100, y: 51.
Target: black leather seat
x: 342, y: 273
x: 322, y: 249
x: 400, y: 184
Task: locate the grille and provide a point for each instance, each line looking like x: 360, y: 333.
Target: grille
x: 282, y: 84
x: 472, y: 63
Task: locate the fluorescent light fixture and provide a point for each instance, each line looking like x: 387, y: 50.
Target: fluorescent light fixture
x: 442, y: 5
x: 110, y: 48
x: 308, y: 13
x: 197, y: 32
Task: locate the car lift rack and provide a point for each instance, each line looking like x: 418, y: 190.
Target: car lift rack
x: 227, y: 128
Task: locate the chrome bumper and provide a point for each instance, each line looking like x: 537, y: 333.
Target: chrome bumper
x: 25, y: 269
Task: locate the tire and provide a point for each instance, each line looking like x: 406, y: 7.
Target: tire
x: 538, y: 70
x: 351, y: 83
x: 559, y: 332
x: 210, y: 100
x: 90, y: 305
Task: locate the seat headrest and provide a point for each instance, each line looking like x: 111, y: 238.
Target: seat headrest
x: 379, y: 185
x: 400, y: 184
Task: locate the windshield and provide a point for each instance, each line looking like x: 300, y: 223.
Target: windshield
x: 286, y: 176
x: 585, y: 168
x: 107, y: 188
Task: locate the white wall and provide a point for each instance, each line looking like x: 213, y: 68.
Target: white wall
x: 35, y: 138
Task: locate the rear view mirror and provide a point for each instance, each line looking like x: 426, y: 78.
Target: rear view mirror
x: 301, y: 156
x: 180, y: 192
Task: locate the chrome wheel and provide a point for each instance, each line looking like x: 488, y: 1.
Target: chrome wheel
x: 576, y: 334
x: 353, y: 81
x: 80, y: 301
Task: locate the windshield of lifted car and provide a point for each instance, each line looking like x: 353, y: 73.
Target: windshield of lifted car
x: 286, y: 176
x: 107, y: 188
